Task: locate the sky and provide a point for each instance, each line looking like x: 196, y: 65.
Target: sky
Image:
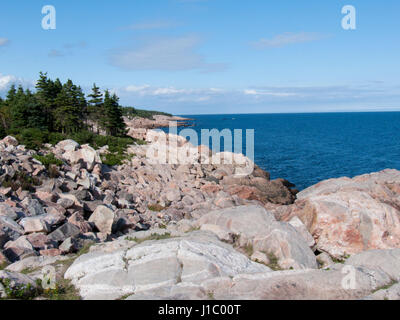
x: 211, y: 56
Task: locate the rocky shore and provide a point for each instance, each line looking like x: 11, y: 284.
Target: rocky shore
x: 147, y: 230
x: 138, y: 127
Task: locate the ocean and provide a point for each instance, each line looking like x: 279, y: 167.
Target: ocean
x: 308, y: 148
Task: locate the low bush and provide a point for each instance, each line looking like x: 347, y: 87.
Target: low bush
x: 21, y: 180
x: 48, y: 159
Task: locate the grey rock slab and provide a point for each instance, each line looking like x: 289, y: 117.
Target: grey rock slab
x: 254, y: 225
x: 155, y: 264
x: 387, y: 261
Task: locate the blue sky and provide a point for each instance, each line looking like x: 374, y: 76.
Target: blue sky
x: 211, y: 56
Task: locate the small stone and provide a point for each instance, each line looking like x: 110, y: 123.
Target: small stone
x: 35, y: 224
x: 103, y: 219
x: 7, y: 211
x: 40, y: 241
x: 65, y: 231
x: 66, y: 203
x: 33, y: 207
x: 78, y: 220
x: 68, y: 246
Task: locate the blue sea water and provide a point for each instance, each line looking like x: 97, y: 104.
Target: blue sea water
x: 308, y: 148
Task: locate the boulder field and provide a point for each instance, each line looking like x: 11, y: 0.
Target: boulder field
x: 149, y: 230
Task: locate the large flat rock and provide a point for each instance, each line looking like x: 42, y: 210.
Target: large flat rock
x: 154, y: 264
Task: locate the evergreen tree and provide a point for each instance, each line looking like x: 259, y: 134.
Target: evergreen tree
x: 18, y: 109
x: 96, y: 97
x: 36, y: 116
x: 3, y: 119
x: 95, y: 107
x: 11, y: 94
x: 70, y: 109
x: 45, y: 98
x: 112, y: 120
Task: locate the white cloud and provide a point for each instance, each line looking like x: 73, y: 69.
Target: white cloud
x: 6, y: 81
x: 181, y: 100
x: 138, y: 89
x: 165, y: 54
x: 150, y: 25
x: 288, y: 38
x: 254, y: 92
x: 4, y: 41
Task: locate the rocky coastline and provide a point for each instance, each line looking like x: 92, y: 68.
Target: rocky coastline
x: 146, y: 230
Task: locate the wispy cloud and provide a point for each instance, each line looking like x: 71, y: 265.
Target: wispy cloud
x: 56, y: 53
x: 151, y: 25
x: 261, y: 98
x: 172, y: 93
x: 4, y: 41
x: 67, y: 49
x: 164, y: 54
x: 288, y: 38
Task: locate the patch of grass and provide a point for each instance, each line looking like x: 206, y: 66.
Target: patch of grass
x: 273, y: 262
x: 249, y: 249
x: 342, y: 260
x: 64, y: 290
x: 29, y: 270
x: 153, y: 236
x: 85, y: 249
x: 34, y: 138
x: 113, y: 159
x: 48, y: 159
x: 125, y: 296
x: 3, y: 265
x: 156, y: 207
x: 21, y: 179
x: 19, y: 292
x: 385, y: 287
x: 210, y: 295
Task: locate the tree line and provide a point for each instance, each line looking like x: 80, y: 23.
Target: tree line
x: 63, y: 108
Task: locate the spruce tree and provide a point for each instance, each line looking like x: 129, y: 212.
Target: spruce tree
x: 11, y: 94
x: 112, y: 120
x: 3, y: 119
x: 95, y: 107
x: 70, y: 108
x: 45, y: 98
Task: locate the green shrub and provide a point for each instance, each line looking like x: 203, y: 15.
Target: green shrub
x: 48, y: 160
x: 113, y: 159
x: 32, y: 138
x: 55, y: 137
x: 22, y: 180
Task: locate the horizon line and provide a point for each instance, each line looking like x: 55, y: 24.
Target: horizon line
x: 300, y: 112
